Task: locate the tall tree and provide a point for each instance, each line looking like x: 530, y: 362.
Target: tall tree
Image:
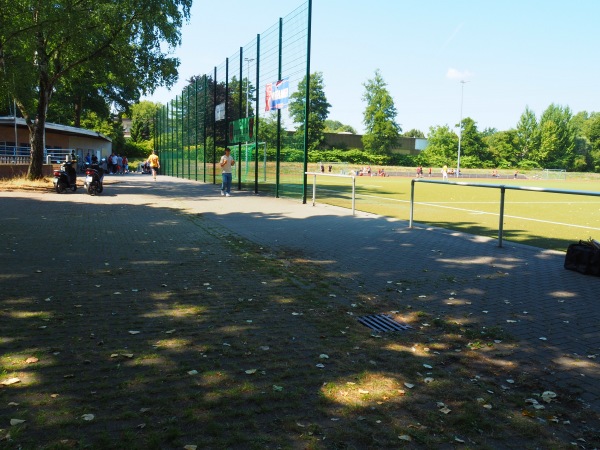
x: 503, y: 148
x: 528, y: 134
x: 379, y: 117
x: 318, y: 109
x: 474, y: 151
x: 44, y: 43
x: 442, y: 145
x: 557, y: 138
x: 142, y: 120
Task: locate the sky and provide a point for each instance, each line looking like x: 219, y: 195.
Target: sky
x: 511, y: 54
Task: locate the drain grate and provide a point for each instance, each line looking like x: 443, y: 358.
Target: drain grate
x: 382, y: 322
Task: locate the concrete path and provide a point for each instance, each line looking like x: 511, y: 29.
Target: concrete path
x: 552, y: 312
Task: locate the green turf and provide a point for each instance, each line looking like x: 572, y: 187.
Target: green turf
x: 546, y: 220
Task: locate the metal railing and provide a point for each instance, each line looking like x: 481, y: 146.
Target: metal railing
x: 314, y: 194
x: 502, y: 188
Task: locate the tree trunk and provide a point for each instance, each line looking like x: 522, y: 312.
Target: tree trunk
x: 37, y: 133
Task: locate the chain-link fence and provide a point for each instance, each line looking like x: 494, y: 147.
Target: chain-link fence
x: 241, y: 104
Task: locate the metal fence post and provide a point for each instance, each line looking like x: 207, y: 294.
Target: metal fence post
x: 501, y: 224
x: 412, y: 203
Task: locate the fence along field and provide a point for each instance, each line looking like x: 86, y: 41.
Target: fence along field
x: 546, y: 220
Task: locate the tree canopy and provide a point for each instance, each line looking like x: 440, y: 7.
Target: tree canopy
x: 382, y: 131
x: 318, y: 109
x: 112, y: 49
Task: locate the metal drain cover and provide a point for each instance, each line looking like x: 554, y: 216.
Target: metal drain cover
x: 382, y: 322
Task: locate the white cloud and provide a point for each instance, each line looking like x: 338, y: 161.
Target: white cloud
x: 454, y: 74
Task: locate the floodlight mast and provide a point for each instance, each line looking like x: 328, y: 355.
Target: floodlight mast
x: 248, y: 60
x: 462, y: 91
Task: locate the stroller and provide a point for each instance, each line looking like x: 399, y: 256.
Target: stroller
x: 145, y: 168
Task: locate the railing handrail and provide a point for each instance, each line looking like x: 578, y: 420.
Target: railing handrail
x: 315, y: 174
x: 502, y: 188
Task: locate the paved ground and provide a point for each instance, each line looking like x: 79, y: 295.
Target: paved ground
x: 554, y: 313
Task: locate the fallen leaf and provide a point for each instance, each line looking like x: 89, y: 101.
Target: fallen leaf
x: 459, y: 440
x: 428, y: 380
x: 190, y: 447
x: 11, y: 381
x: 195, y: 372
x: 548, y: 396
x: 114, y: 355
x: 127, y: 355
x: 277, y: 388
x: 134, y: 332
x: 362, y: 391
x: 170, y: 331
x: 250, y: 371
x: 88, y: 417
x: 14, y: 422
x: 427, y: 366
x: 445, y: 410
x: 31, y: 360
x: 13, y: 404
x: 408, y: 385
x: 405, y: 437
x: 323, y: 356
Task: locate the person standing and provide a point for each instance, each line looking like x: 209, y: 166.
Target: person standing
x: 445, y: 173
x: 154, y: 163
x: 226, y: 163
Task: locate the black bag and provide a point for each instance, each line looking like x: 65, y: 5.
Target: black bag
x: 584, y: 258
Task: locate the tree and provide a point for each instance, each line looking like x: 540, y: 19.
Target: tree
x: 528, y: 134
x: 414, y: 133
x: 318, y: 109
x: 45, y: 45
x: 382, y: 131
x: 442, y: 146
x: 503, y: 147
x: 143, y: 115
x: 474, y: 151
x: 557, y: 138
x: 335, y: 126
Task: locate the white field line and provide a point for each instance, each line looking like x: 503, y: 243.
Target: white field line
x: 476, y: 212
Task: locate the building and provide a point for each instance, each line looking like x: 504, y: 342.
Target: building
x: 404, y: 145
x: 61, y: 140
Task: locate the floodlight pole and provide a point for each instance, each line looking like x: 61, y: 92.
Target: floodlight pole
x: 462, y: 91
x: 248, y: 60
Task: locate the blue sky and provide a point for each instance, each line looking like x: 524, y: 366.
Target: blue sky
x: 512, y: 53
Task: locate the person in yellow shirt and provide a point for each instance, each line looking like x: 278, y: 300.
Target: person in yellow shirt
x: 226, y: 163
x: 154, y: 163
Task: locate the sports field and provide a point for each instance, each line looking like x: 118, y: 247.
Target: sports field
x: 547, y: 220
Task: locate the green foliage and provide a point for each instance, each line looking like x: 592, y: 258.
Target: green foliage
x: 353, y: 156
x: 557, y: 139
x: 143, y: 115
x: 318, y: 109
x: 414, y: 133
x: 382, y: 131
x: 109, y: 48
x: 335, y: 126
x: 474, y: 152
x: 442, y: 148
x: 137, y: 149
